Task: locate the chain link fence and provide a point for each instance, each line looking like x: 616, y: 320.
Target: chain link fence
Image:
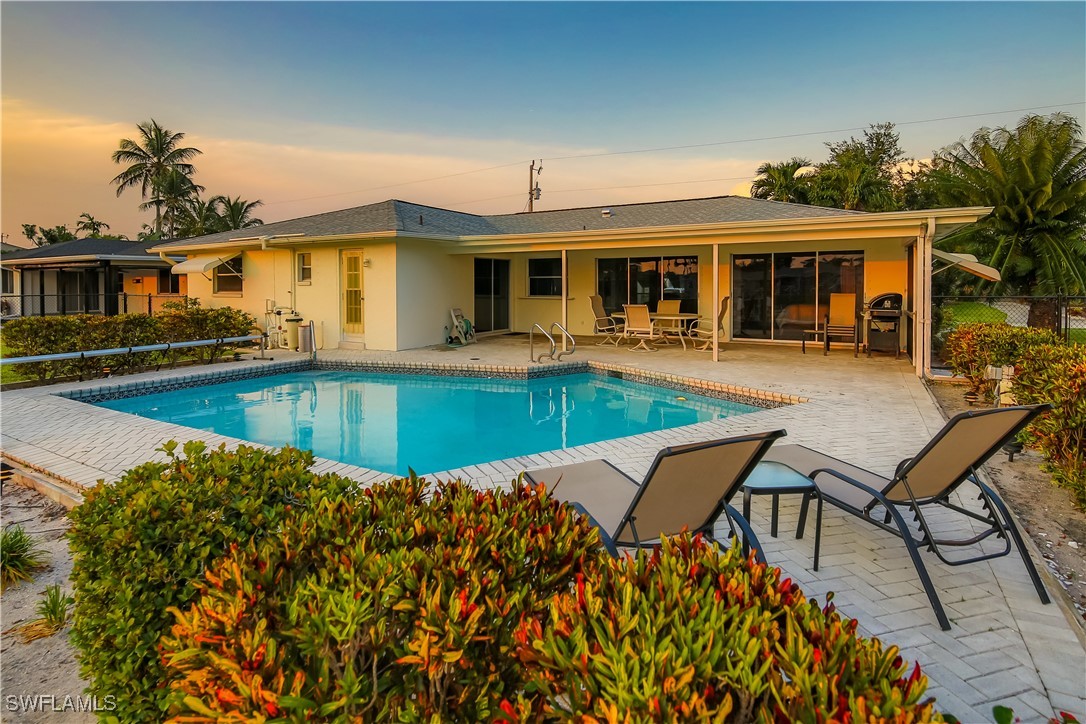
x: 1062, y: 314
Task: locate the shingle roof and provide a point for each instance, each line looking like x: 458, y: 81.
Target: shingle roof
x: 404, y: 216
x: 86, y: 247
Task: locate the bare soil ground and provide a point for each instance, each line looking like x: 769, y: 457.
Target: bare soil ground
x: 45, y: 667
x: 1046, y: 512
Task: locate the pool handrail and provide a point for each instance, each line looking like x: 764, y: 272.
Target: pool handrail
x: 163, y: 347
x: 531, y: 344
x: 565, y: 335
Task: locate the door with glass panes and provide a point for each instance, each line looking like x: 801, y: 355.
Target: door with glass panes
x: 354, y: 297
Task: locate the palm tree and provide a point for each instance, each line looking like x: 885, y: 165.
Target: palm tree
x: 157, y: 151
x: 170, y: 196
x: 200, y: 217
x: 854, y: 186
x: 1034, y: 176
x: 237, y: 213
x: 89, y: 225
x: 780, y: 181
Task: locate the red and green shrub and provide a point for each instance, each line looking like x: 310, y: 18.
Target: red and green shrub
x: 691, y: 633
x: 141, y: 544
x: 1057, y: 375
x: 395, y: 603
x: 969, y: 349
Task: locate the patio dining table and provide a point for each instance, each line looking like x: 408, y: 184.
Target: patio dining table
x: 684, y: 318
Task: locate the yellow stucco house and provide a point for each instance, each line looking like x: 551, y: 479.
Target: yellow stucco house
x: 384, y: 276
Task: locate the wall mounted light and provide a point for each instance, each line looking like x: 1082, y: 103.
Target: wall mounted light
x: 367, y: 262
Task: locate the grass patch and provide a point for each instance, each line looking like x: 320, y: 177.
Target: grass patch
x: 8, y: 374
x: 20, y: 555
x: 1077, y: 336
x: 971, y: 312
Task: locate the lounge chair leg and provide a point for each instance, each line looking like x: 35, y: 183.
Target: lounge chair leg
x: 775, y: 515
x: 921, y: 569
x: 1031, y: 569
x: 818, y: 529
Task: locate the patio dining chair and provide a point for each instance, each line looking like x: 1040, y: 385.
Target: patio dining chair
x: 702, y: 329
x: 639, y: 325
x: 842, y: 322
x: 924, y: 483
x: 687, y: 487
x: 668, y: 327
x: 604, y: 324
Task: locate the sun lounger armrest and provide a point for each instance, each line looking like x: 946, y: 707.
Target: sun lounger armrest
x: 876, y: 494
x: 902, y: 464
x: 608, y: 542
x: 748, y: 533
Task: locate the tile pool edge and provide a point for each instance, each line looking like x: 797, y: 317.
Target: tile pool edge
x: 716, y: 390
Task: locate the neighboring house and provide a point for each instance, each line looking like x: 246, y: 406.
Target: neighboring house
x: 384, y: 276
x: 8, y: 275
x: 94, y: 276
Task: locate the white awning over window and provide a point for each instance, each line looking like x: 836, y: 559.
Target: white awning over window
x: 202, y: 263
x: 967, y: 263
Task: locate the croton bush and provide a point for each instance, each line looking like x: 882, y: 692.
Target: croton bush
x: 970, y: 348
x: 1057, y: 375
x: 143, y: 543
x: 691, y: 633
x: 398, y: 603
x: 179, y: 321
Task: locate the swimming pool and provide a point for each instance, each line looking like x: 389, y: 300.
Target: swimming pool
x: 390, y: 422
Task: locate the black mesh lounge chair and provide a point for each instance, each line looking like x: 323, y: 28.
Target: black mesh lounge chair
x: 928, y: 479
x: 688, y: 486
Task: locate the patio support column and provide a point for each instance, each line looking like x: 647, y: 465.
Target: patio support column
x: 716, y: 302
x: 922, y: 303
x: 565, y: 300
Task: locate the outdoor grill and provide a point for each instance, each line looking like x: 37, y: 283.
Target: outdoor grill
x: 883, y: 320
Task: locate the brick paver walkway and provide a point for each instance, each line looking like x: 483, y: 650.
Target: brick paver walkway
x: 1004, y: 647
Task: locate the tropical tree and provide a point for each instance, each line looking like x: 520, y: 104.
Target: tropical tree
x: 861, y: 173
x: 1034, y: 177
x: 200, y: 217
x: 781, y: 182
x: 171, y: 195
x: 89, y: 225
x: 237, y: 213
x: 41, y: 236
x: 156, y: 152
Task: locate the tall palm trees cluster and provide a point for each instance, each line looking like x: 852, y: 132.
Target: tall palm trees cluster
x: 160, y: 166
x: 1033, y: 176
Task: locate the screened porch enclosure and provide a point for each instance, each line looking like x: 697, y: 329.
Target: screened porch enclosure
x: 778, y: 295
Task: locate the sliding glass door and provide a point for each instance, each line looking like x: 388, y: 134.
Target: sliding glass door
x: 647, y: 280
x: 491, y: 295
x: 778, y: 296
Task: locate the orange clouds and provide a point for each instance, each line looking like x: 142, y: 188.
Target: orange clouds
x: 56, y: 166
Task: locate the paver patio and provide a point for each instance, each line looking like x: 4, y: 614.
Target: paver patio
x: 1005, y: 646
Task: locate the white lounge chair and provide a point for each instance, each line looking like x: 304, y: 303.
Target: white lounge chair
x: 639, y: 325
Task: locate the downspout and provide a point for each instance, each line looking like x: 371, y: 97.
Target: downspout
x: 565, y: 301
x: 162, y: 255
x: 923, y: 310
x: 716, y: 302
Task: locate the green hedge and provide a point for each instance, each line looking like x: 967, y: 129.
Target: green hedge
x: 1057, y: 375
x: 179, y: 321
x: 1047, y: 370
x: 141, y: 545
x: 970, y: 348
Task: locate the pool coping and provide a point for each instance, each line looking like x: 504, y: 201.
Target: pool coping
x: 716, y: 390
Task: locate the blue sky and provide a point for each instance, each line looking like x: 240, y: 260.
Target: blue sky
x: 292, y: 101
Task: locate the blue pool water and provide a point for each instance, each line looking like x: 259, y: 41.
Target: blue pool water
x: 391, y: 422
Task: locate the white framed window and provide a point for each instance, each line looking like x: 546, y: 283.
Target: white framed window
x: 544, y: 277
x: 305, y: 267
x: 226, y: 277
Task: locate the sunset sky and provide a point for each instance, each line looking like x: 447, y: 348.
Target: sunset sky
x: 319, y: 106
